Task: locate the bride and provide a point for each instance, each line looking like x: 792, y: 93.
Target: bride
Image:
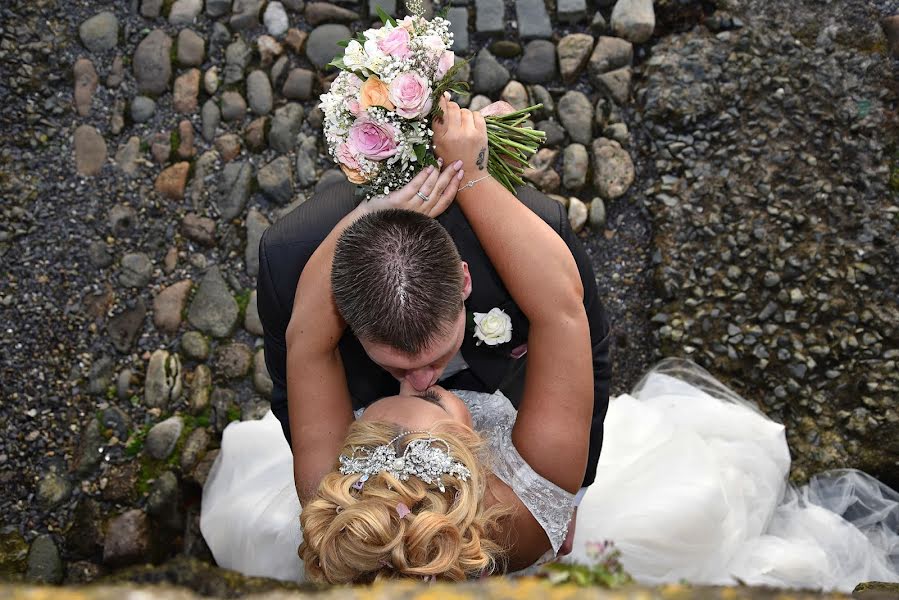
x: 455, y: 485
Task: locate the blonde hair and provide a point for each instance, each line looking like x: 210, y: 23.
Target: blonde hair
x: 352, y: 535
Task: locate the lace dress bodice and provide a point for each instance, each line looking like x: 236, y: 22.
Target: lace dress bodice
x: 493, y: 417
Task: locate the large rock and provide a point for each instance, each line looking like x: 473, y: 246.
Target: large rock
x: 191, y: 48
x: 275, y: 19
x: 214, y: 310
x: 574, y: 50
x: 489, y: 75
x: 237, y: 57
x: 276, y: 180
x: 262, y: 381
x: 245, y: 14
x: 298, y: 85
x: 163, y: 380
x: 317, y: 13
x: 490, y: 16
x: 575, y: 161
x: 187, y: 89
x: 90, y: 150
x: 136, y: 270
x: 169, y: 304
x: 152, y: 63
x: 252, y: 322
x: 44, y: 564
x: 285, y: 126
x: 185, y: 12
x: 100, y: 32
x: 234, y: 189
x: 234, y: 107
x: 256, y: 226
x: 162, y: 438
x: 307, y: 153
x: 233, y: 360
x: 616, y: 84
x: 571, y: 11
x: 458, y: 19
x: 538, y: 65
x: 515, y: 94
x: 128, y: 539
x: 172, y: 180
x: 576, y: 115
x: 613, y: 169
x: 533, y: 20
x: 634, y: 20
x: 321, y: 46
x: 259, y: 92
x: 217, y: 8
x: 124, y: 327
x: 541, y: 171
x: 86, y: 82
x: 609, y: 54
x: 210, y: 116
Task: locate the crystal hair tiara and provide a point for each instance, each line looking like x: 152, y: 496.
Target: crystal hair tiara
x: 419, y: 459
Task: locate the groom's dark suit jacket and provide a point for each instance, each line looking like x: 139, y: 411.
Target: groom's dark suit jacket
x: 287, y: 245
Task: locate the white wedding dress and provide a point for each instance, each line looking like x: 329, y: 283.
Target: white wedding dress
x: 691, y: 485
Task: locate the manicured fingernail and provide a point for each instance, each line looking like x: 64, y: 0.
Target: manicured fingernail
x: 460, y: 174
x: 440, y: 161
x: 457, y: 165
x: 430, y: 169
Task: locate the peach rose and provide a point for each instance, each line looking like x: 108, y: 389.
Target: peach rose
x: 374, y: 92
x: 353, y: 175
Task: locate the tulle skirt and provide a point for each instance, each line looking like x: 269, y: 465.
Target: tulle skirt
x: 691, y: 485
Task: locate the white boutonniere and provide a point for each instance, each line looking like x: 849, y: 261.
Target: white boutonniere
x: 492, y: 328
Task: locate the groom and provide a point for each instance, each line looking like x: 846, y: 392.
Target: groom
x: 453, y: 357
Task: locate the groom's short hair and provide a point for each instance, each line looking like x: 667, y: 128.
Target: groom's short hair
x: 397, y: 279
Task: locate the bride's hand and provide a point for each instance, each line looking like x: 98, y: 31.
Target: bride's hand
x: 429, y: 193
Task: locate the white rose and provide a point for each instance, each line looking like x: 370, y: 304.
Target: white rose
x: 492, y: 328
x: 354, y: 56
x: 375, y: 58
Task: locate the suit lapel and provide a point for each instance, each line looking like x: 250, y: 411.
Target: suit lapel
x: 487, y: 291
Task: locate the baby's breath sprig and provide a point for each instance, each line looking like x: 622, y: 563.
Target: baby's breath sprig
x: 415, y: 7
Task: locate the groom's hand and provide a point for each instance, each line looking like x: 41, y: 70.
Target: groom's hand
x: 460, y: 134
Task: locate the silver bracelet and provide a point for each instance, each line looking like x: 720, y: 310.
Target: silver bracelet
x: 472, y: 182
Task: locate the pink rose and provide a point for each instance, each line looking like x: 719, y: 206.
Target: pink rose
x: 433, y: 44
x: 374, y: 141
x: 396, y: 43
x: 407, y: 23
x: 411, y: 95
x: 446, y: 62
x: 346, y: 154
x: 354, y: 107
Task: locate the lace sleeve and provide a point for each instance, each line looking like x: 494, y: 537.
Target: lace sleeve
x: 550, y: 505
x: 494, y: 416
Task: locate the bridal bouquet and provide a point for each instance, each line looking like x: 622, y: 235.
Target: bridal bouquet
x: 378, y: 110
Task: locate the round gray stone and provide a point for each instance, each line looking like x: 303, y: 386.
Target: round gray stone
x: 100, y: 32
x: 195, y: 345
x: 489, y: 75
x: 321, y: 47
x: 259, y: 92
x: 576, y: 115
x: 152, y: 63
x: 214, y: 310
x: 538, y: 65
x: 162, y: 438
x: 136, y: 270
x: 142, y: 108
x: 44, y: 563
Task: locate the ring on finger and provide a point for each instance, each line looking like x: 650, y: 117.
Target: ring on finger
x: 422, y: 196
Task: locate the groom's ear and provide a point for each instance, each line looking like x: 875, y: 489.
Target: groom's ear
x: 466, y: 282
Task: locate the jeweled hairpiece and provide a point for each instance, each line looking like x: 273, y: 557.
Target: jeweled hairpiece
x: 420, y: 459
